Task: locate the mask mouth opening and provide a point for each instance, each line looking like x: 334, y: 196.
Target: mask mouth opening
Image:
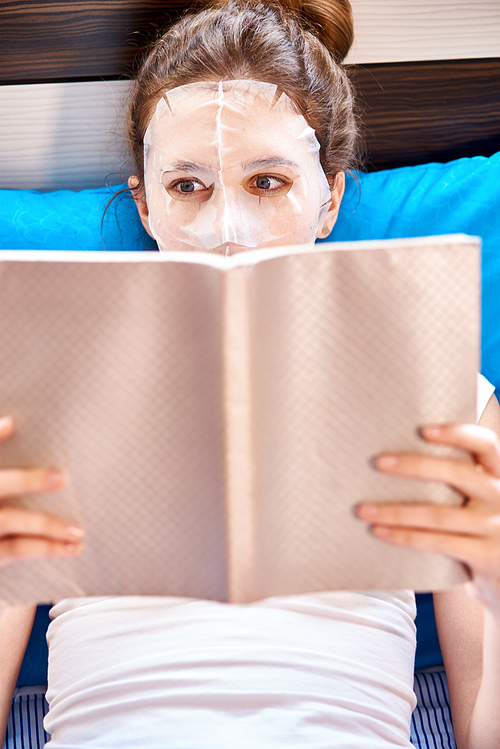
x: 230, y: 248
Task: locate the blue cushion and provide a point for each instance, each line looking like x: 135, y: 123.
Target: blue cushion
x: 460, y: 196
x: 430, y: 199
x: 34, y: 666
x: 428, y: 649
x: 67, y: 220
x: 418, y: 201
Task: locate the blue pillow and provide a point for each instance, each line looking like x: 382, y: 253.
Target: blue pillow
x: 68, y: 220
x: 428, y: 649
x: 459, y: 196
x: 35, y: 662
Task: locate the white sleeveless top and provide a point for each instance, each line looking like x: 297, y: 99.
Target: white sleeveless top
x: 321, y: 670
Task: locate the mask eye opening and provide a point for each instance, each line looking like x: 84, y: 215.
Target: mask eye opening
x: 284, y: 185
x: 188, y: 196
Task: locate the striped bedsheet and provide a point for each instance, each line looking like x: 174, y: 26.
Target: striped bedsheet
x: 431, y: 726
x: 25, y: 727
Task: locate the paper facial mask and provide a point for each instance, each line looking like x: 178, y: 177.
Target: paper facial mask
x: 232, y: 165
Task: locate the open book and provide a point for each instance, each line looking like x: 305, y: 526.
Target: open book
x: 216, y: 416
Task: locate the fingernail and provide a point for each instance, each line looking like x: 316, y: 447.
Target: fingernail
x: 432, y: 431
x: 74, y: 530
x: 54, y: 479
x: 387, y: 461
x: 5, y: 424
x: 367, y: 511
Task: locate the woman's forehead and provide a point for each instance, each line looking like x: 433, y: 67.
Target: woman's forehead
x: 242, y: 120
x: 235, y: 93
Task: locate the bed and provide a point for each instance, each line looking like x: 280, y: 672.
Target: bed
x: 432, y: 135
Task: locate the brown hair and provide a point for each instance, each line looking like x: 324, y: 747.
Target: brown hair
x: 297, y: 45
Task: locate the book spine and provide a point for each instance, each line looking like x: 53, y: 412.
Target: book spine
x: 238, y: 436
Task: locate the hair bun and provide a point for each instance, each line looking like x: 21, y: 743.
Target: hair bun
x: 330, y: 20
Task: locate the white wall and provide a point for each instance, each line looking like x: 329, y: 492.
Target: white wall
x: 61, y: 135
x: 404, y: 30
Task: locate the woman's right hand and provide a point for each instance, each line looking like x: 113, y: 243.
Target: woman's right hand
x: 28, y: 533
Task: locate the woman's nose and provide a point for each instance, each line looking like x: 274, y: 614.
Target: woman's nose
x: 229, y: 219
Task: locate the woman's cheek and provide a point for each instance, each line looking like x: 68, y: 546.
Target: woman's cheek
x: 294, y: 221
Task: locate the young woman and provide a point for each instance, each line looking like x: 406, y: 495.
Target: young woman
x: 242, y: 128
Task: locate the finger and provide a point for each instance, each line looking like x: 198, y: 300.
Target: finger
x: 479, y: 553
x: 465, y: 477
x: 6, y: 427
x: 17, y: 481
x: 29, y: 548
x: 483, y: 443
x: 19, y: 521
x: 431, y: 516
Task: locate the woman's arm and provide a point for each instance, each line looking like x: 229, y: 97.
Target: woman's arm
x: 15, y: 629
x: 469, y: 631
x: 469, y: 637
x: 470, y: 643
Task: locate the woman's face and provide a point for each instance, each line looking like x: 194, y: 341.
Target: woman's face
x: 232, y: 166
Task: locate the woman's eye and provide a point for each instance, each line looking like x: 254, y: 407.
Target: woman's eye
x: 187, y: 186
x: 188, y: 189
x: 268, y: 184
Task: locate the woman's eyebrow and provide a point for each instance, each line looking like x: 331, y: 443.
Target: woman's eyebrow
x: 271, y: 161
x: 193, y: 166
x: 188, y: 166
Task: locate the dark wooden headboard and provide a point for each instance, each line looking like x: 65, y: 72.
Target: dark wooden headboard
x: 412, y: 112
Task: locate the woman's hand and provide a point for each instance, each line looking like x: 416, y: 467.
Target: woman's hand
x: 470, y: 533
x: 27, y: 533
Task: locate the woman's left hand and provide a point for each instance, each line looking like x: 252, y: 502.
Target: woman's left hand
x: 470, y: 533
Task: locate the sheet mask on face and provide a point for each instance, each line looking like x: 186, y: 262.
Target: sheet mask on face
x: 230, y: 166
